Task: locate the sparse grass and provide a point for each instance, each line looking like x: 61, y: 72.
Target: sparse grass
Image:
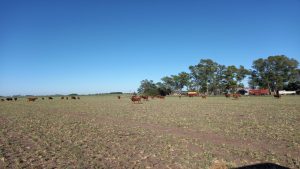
x: 105, y: 132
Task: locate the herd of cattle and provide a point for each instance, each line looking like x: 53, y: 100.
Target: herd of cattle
x: 134, y: 98
x: 32, y: 99
x: 138, y: 99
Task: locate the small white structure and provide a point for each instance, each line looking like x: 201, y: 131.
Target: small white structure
x: 283, y: 92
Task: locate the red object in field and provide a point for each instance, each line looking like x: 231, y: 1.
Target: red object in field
x: 259, y: 92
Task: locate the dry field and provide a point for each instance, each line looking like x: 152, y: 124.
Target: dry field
x: 104, y: 132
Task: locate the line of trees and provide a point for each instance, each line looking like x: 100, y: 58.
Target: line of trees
x: 273, y: 73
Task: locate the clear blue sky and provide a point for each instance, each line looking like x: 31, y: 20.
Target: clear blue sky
x: 72, y: 46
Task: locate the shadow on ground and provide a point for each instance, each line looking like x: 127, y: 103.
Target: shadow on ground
x: 263, y: 166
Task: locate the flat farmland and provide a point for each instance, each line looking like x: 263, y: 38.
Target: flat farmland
x: 105, y: 132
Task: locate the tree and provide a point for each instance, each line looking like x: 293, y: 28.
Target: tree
x: 203, y: 74
x: 241, y: 74
x: 162, y: 89
x: 275, y: 71
x: 169, y: 83
x: 230, y: 81
x: 148, y: 87
x: 181, y: 80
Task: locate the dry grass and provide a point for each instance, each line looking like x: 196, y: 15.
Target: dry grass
x: 105, y: 132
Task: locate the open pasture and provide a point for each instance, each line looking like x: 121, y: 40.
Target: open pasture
x: 107, y: 132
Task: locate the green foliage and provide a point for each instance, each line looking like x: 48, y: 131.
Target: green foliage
x: 116, y: 93
x: 274, y: 72
x: 148, y: 87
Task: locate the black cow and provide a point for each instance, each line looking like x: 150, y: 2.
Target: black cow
x: 9, y: 99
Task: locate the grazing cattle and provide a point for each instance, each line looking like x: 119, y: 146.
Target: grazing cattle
x: 31, y: 99
x: 135, y: 99
x: 179, y: 96
x: 78, y: 97
x: 15, y: 99
x: 43, y: 98
x: 227, y: 95
x: 73, y: 97
x: 9, y: 99
x: 160, y: 97
x: 235, y: 96
x: 203, y: 96
x: 2, y: 100
x: 67, y: 98
x: 50, y: 98
x: 145, y: 98
x: 119, y: 97
x: 62, y: 98
x: 192, y: 94
x: 277, y: 95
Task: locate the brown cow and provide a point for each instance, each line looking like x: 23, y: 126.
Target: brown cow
x: 50, y: 98
x: 227, y: 95
x: 179, y: 96
x: 67, y: 98
x: 73, y: 97
x: 43, y: 98
x: 62, y: 98
x: 119, y: 97
x: 31, y: 99
x: 78, y: 98
x: 2, y: 100
x: 203, y: 96
x: 160, y: 97
x: 145, y: 98
x: 135, y: 99
x: 235, y: 96
x: 15, y: 99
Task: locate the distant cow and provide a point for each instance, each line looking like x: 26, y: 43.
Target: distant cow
x: 2, y: 100
x: 31, y: 99
x: 119, y: 97
x: 179, y: 96
x: 43, y: 98
x: 9, y: 99
x: 67, y: 98
x: 62, y: 98
x: 227, y: 95
x: 277, y: 95
x: 15, y: 99
x: 145, y: 98
x: 78, y: 97
x: 50, y: 98
x: 235, y: 96
x: 203, y: 96
x: 73, y: 97
x: 135, y: 99
x: 152, y: 97
x: 160, y: 97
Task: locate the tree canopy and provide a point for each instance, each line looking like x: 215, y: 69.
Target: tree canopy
x: 274, y: 73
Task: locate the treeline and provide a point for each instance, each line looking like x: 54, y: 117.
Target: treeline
x: 273, y: 73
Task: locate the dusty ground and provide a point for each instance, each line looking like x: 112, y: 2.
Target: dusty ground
x: 104, y: 132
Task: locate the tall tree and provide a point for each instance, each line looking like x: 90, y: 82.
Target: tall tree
x: 148, y: 87
x: 230, y: 81
x: 275, y: 71
x: 241, y: 74
x: 203, y: 73
x: 169, y: 83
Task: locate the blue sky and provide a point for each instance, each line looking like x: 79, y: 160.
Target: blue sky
x: 72, y: 46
